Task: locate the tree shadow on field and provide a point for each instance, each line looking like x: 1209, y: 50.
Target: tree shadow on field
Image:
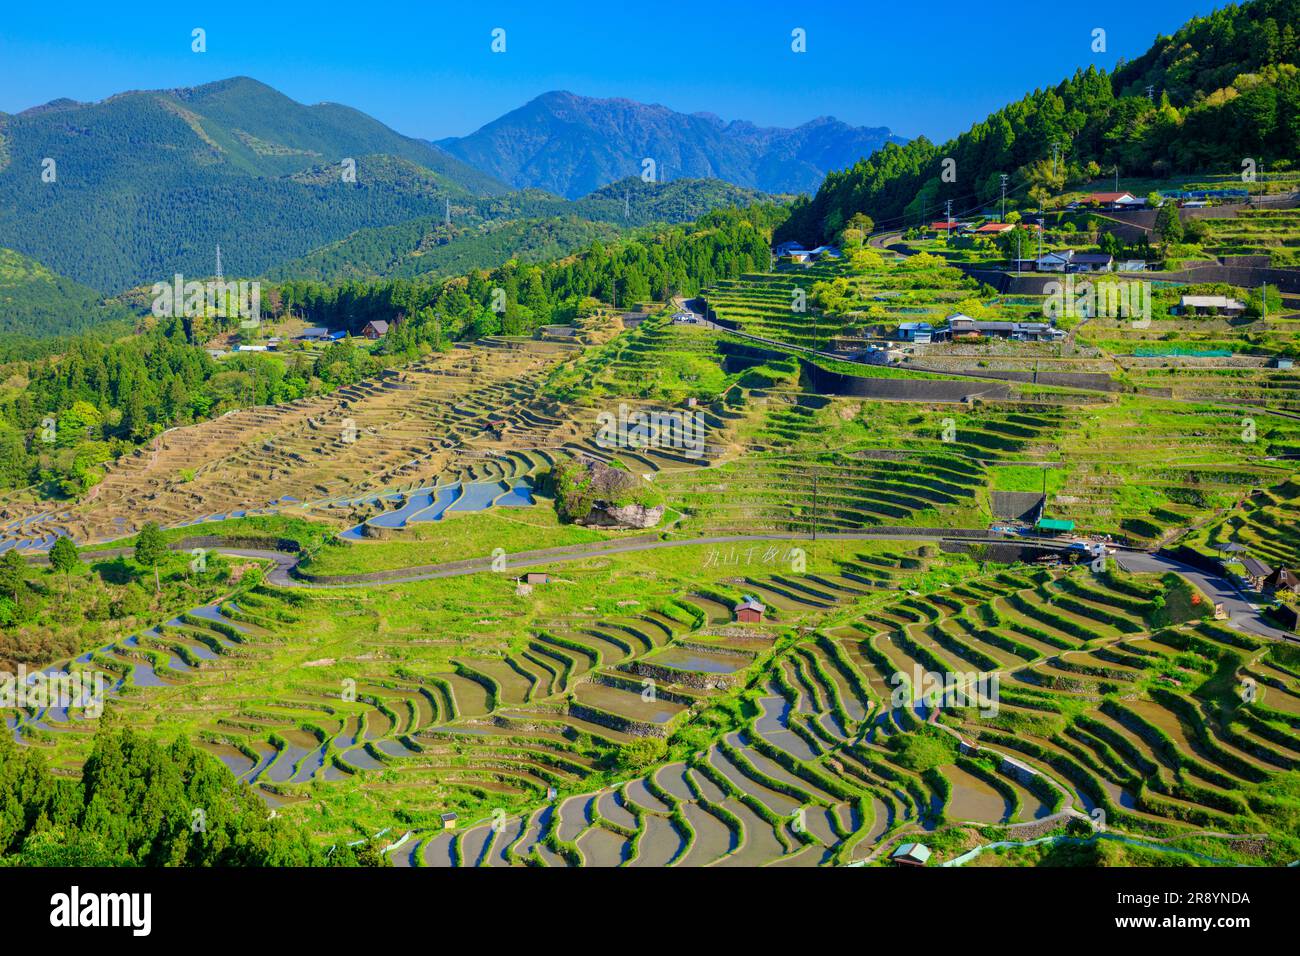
x: 115, y: 571
x: 1073, y: 854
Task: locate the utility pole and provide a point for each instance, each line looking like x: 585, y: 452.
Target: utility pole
x: 1056, y: 153
x: 948, y: 220
x: 1151, y: 94
x: 1004, y: 196
x: 814, y: 502
x: 1040, y: 238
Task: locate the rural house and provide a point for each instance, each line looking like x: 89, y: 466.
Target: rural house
x: 1091, y: 262
x: 749, y: 610
x: 812, y: 255
x: 1210, y: 305
x: 825, y: 252
x: 1283, y: 579
x: 376, y: 329
x: 1068, y: 260
x: 963, y: 326
x: 1114, y: 200
x: 1054, y: 261
x: 910, y: 854
x: 920, y: 332
x: 1055, y: 525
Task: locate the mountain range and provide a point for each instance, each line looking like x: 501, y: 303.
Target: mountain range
x: 145, y: 184
x: 570, y: 145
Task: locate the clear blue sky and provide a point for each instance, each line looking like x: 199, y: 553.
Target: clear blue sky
x: 925, y: 66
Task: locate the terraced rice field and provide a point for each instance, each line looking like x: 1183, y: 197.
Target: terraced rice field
x: 1266, y: 524
x: 1271, y: 232
x: 1090, y: 717
x: 780, y: 305
x: 616, y: 714
x: 468, y: 419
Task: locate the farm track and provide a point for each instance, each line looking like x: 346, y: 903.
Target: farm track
x: 1242, y: 613
x: 286, y: 563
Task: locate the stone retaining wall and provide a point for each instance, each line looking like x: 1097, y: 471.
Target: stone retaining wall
x: 249, y: 542
x: 636, y: 728
x: 902, y: 389
x: 737, y: 632
x: 1095, y: 381
x: 1003, y: 552
x: 697, y: 680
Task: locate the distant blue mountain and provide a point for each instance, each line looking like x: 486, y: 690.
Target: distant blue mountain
x: 571, y: 145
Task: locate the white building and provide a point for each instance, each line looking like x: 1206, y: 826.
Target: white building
x: 1210, y: 305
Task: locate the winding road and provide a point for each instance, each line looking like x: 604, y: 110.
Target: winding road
x: 1242, y: 613
x: 285, y: 564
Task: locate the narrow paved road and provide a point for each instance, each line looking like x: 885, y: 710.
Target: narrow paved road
x: 281, y: 575
x: 1242, y: 614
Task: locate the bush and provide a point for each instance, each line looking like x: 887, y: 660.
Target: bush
x: 923, y: 750
x: 642, y: 752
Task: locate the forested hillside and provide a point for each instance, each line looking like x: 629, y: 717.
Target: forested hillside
x: 145, y: 184
x: 682, y: 259
x: 1224, y: 88
x: 530, y: 225
x: 37, y: 302
x: 428, y: 247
